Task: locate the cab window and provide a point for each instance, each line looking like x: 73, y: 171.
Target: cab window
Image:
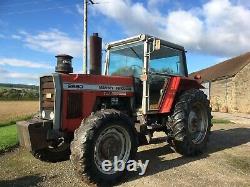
x: 166, y: 61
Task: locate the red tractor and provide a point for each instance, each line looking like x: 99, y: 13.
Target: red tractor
x: 144, y: 88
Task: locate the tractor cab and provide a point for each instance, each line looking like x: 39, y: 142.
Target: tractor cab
x: 151, y: 62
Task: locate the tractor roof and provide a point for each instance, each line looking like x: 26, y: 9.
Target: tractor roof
x: 142, y: 37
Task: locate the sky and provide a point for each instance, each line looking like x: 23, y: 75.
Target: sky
x: 33, y: 32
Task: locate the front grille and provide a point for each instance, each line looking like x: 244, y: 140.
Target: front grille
x: 47, y: 93
x: 74, y: 109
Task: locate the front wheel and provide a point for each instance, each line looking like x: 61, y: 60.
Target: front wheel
x: 191, y: 123
x: 102, y: 137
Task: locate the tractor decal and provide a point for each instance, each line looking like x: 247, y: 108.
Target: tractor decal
x: 97, y: 87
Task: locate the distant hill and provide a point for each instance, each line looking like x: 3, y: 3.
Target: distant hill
x: 24, y: 86
x: 18, y: 92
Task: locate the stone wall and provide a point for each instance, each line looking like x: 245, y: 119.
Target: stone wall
x: 242, y: 90
x: 232, y: 94
x: 222, y: 93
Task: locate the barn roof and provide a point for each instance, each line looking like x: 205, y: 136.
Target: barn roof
x: 225, y: 69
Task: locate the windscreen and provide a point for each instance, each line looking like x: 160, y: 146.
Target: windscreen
x: 126, y: 60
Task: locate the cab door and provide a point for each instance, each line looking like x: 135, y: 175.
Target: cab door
x: 163, y: 64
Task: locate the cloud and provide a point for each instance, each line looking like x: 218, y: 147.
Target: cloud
x: 79, y: 9
x: 23, y: 63
x: 155, y: 4
x: 3, y: 24
x: 218, y: 27
x: 7, y: 75
x: 25, y: 76
x: 227, y: 28
x: 134, y: 18
x: 181, y: 33
x: 14, y: 36
x: 53, y: 41
x: 2, y: 70
x: 245, y: 3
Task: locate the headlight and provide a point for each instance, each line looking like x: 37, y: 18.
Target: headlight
x: 43, y: 114
x: 51, y: 115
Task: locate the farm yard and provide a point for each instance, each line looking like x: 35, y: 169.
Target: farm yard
x: 124, y: 93
x: 226, y: 162
x: 10, y: 112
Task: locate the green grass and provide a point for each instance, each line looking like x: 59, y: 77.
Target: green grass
x: 13, y: 121
x: 8, y: 133
x: 222, y: 121
x: 3, y: 87
x: 8, y: 137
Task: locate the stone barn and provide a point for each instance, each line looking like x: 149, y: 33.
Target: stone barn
x: 228, y: 84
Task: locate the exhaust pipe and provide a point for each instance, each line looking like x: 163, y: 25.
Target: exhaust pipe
x: 95, y: 54
x: 64, y: 64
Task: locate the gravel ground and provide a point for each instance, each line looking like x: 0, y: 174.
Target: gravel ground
x: 226, y: 163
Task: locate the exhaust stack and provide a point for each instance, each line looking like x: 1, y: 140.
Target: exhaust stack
x: 95, y: 54
x: 64, y: 64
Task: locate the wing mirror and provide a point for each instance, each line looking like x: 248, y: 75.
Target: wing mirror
x: 156, y: 45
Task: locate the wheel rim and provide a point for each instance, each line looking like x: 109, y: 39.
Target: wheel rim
x: 198, y: 123
x: 113, y: 141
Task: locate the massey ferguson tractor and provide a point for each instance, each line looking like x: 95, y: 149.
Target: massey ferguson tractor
x: 94, y: 117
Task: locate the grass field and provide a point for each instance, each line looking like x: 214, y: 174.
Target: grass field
x: 10, y: 112
x: 221, y: 121
x: 15, y: 110
x: 8, y: 137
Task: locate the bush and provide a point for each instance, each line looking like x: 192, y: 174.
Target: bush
x: 19, y: 94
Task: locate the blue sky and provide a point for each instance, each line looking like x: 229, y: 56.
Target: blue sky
x: 32, y: 32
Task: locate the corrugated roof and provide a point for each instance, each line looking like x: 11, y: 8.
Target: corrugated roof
x: 228, y: 68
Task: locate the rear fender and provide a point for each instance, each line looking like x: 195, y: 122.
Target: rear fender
x: 176, y: 86
x: 187, y: 84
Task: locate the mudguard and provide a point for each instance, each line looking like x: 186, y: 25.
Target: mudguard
x: 176, y: 85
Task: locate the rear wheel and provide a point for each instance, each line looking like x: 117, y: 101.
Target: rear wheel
x: 191, y: 123
x: 102, y: 136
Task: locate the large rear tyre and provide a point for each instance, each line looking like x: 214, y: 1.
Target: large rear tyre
x: 191, y: 123
x: 102, y: 136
